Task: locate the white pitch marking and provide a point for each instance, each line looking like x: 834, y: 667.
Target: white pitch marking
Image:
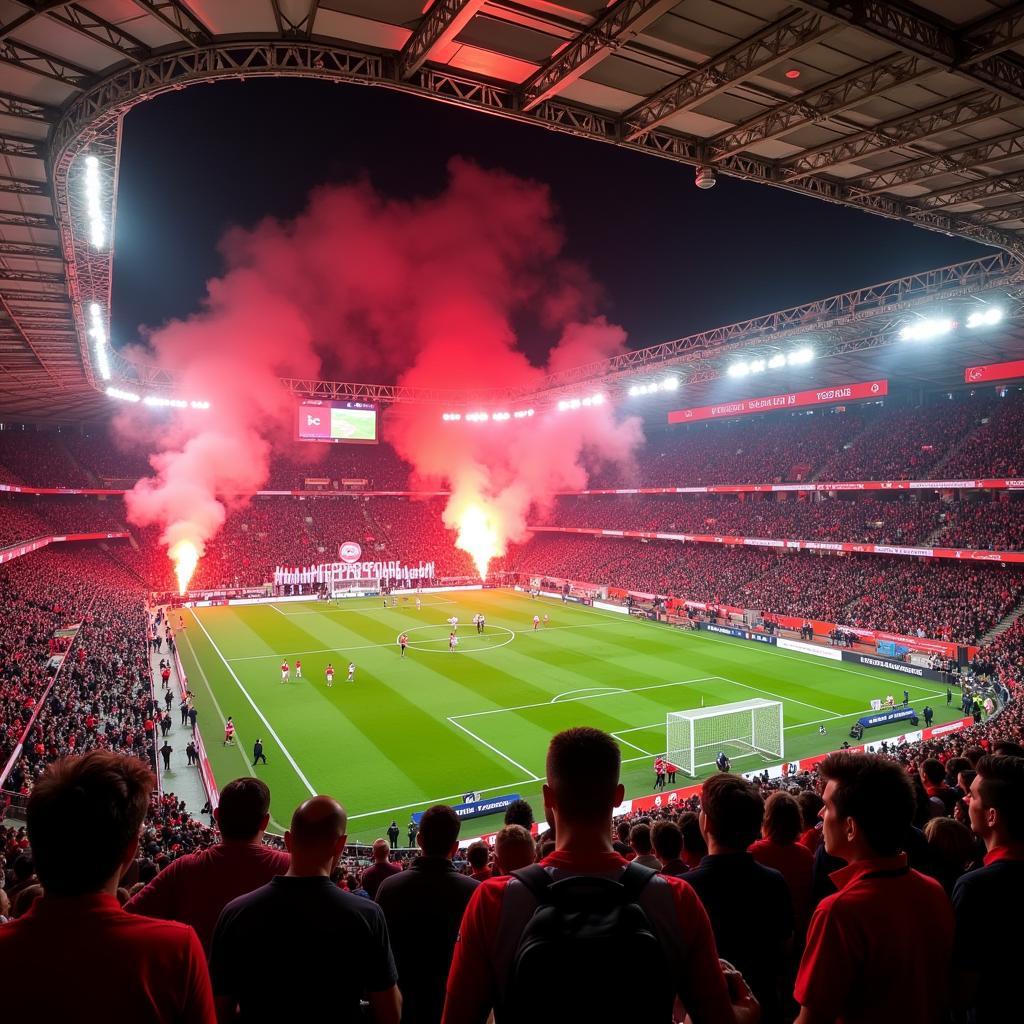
x: 588, y: 689
x: 522, y: 768
x: 256, y: 708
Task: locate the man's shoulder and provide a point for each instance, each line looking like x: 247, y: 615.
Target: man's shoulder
x: 990, y: 876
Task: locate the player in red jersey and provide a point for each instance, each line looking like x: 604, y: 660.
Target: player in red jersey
x: 285, y: 672
x: 403, y: 642
x: 329, y: 673
x: 229, y: 732
x: 298, y: 669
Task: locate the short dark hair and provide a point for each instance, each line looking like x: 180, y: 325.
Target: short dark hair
x: 667, y: 839
x: 1002, y: 787
x: 244, y: 803
x: 439, y: 830
x: 810, y: 807
x: 734, y: 810
x: 100, y: 795
x: 583, y: 770
x: 933, y: 771
x: 877, y: 793
x: 782, y: 818
x: 1008, y: 748
x: 693, y: 838
x: 640, y: 838
x: 478, y: 854
x: 519, y: 812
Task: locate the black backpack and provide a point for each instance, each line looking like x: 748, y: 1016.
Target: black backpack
x: 589, y: 952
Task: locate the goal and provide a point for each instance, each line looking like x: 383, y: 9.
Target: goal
x: 355, y: 587
x: 747, y: 728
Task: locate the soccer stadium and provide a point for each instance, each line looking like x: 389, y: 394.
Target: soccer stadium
x: 455, y: 569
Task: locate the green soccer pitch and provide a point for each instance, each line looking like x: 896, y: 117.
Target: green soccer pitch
x: 426, y: 729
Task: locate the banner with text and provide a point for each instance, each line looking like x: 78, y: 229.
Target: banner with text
x: 770, y: 403
x: 333, y: 572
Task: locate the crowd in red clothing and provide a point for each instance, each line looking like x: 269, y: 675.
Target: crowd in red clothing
x: 896, y: 521
x: 972, y: 436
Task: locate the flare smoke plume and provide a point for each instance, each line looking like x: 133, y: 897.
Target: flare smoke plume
x: 429, y: 291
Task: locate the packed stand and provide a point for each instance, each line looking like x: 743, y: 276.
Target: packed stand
x: 906, y: 444
x: 989, y: 525
x: 753, y: 449
x: 39, y: 594
x: 994, y: 449
x: 1003, y: 658
x: 376, y: 464
x: 19, y: 522
x: 39, y: 459
x: 112, y: 462
x: 861, y: 521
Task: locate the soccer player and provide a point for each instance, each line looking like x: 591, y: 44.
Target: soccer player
x: 483, y: 623
x: 329, y: 673
x: 453, y: 642
x: 418, y: 605
x: 403, y: 642
x: 722, y: 761
x: 454, y: 620
x: 298, y: 669
x: 285, y: 672
x: 536, y: 622
x: 229, y: 732
x: 659, y: 773
x: 351, y: 671
x: 821, y: 730
x: 545, y: 621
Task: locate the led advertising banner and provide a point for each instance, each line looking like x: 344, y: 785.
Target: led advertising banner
x: 792, y: 400
x: 994, y: 371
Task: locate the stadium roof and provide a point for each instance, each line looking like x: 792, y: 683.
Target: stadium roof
x: 911, y: 111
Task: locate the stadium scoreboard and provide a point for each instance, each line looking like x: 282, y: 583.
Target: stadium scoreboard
x: 337, y: 422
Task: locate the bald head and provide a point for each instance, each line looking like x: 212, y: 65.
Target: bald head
x: 317, y: 835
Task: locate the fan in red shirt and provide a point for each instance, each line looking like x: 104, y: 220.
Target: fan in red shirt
x: 880, y: 948
x: 76, y: 954
x: 194, y: 889
x: 780, y: 850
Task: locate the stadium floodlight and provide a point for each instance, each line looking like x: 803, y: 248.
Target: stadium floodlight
x: 522, y: 414
x: 746, y: 728
x: 500, y: 417
x: 778, y: 360
x: 477, y: 417
x: 758, y: 366
x: 926, y: 329
x: 122, y: 396
x: 94, y: 203
x: 738, y: 370
x: 670, y: 384
x: 98, y: 332
x: 800, y: 356
x: 198, y: 404
x: 985, y: 317
x: 163, y: 402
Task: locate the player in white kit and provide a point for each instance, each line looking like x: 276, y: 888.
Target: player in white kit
x: 351, y: 671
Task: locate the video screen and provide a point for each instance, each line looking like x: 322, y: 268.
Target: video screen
x: 338, y: 422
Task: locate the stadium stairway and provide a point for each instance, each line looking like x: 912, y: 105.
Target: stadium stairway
x: 183, y: 780
x: 1002, y: 625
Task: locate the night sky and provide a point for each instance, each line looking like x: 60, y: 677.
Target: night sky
x: 672, y: 259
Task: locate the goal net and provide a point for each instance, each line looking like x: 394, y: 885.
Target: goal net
x: 747, y: 728
x: 355, y: 587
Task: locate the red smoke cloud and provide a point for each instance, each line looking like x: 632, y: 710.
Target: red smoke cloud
x: 429, y: 291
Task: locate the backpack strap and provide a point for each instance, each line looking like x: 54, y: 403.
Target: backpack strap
x: 634, y: 879
x: 537, y: 880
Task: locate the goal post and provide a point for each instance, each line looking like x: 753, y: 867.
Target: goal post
x: 694, y: 738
